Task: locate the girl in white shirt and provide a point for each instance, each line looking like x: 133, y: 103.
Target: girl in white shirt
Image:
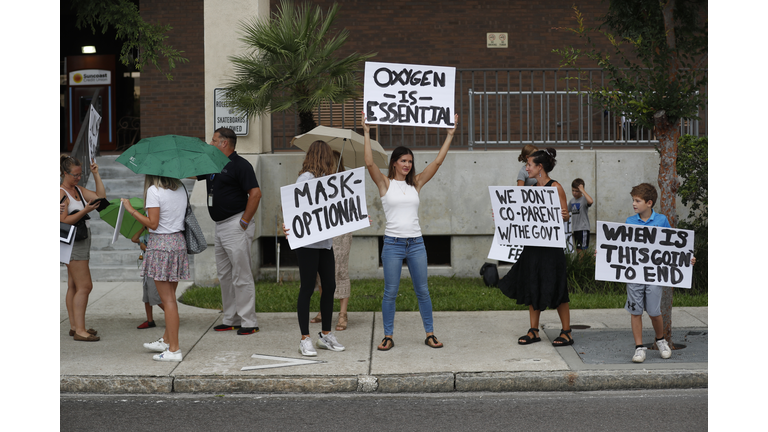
x: 165, y: 261
x: 316, y: 259
x: 399, y: 192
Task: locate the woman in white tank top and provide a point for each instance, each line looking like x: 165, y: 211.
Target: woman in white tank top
x: 79, y: 283
x: 399, y: 192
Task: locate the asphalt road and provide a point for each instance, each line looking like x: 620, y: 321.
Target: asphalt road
x: 661, y: 410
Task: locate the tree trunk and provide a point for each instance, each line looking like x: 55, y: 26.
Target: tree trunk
x: 668, y: 134
x: 306, y: 122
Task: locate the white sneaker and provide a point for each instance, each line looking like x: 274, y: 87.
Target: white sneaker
x: 329, y: 342
x: 664, y: 349
x: 158, y: 345
x: 639, y: 356
x: 306, y: 348
x: 168, y: 356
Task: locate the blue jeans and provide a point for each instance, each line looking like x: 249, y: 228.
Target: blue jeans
x: 392, y: 255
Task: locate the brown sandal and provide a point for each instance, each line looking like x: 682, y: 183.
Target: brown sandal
x: 90, y: 338
x: 90, y: 332
x: 388, y: 344
x: 341, y: 324
x: 432, y: 342
x: 317, y: 319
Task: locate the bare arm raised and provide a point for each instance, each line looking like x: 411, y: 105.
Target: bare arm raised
x: 423, y: 177
x: 381, y: 181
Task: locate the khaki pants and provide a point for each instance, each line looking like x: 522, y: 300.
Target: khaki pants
x: 233, y: 265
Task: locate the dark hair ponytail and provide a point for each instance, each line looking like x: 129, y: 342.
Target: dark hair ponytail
x: 546, y: 158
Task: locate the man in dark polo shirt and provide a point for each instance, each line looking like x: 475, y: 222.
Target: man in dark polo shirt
x: 233, y: 196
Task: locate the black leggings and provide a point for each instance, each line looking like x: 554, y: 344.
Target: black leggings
x: 312, y: 262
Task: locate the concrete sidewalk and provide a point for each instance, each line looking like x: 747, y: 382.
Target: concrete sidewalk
x: 480, y: 354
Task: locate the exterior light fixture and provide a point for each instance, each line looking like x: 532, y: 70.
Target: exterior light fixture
x: 88, y: 49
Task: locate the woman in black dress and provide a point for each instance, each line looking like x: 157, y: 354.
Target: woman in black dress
x: 538, y: 278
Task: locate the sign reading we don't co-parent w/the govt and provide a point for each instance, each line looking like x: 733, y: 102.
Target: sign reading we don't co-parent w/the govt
x: 528, y: 216
x: 409, y: 95
x: 644, y: 255
x: 324, y: 207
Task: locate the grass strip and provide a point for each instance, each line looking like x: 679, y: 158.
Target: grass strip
x: 447, y: 293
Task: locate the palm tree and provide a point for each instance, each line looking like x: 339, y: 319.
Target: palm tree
x: 290, y: 66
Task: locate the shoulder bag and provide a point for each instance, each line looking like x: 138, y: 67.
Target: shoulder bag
x: 193, y: 234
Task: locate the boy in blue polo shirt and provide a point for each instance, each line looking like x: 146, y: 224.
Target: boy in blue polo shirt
x: 640, y: 296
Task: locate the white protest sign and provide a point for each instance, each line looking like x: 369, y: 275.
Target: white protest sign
x: 324, y: 207
x: 409, y: 95
x: 644, y: 255
x: 94, y: 122
x: 511, y: 253
x: 119, y: 222
x: 506, y: 253
x: 528, y: 215
x: 569, y: 246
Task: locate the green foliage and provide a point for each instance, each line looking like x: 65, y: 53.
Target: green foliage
x: 148, y: 40
x: 290, y: 65
x: 692, y: 166
x: 658, y: 50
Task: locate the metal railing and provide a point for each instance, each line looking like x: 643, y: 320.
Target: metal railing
x: 508, y: 108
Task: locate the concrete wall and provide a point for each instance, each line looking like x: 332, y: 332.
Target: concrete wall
x: 222, y: 30
x: 456, y: 202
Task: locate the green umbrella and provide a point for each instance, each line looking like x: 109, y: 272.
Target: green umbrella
x: 130, y: 226
x: 173, y: 156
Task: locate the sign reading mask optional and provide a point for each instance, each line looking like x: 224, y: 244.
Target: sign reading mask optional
x: 644, y: 255
x: 225, y: 116
x: 409, y: 95
x: 527, y: 215
x: 324, y: 207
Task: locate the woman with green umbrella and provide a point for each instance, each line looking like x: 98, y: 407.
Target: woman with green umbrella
x: 166, y: 260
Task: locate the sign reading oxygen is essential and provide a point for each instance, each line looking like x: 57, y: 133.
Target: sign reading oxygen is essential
x: 644, y: 255
x: 409, y: 95
x: 325, y: 207
x: 527, y: 215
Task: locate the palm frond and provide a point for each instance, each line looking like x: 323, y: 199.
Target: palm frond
x: 289, y: 62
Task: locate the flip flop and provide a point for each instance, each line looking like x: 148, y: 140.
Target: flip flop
x: 384, y: 341
x: 434, y: 343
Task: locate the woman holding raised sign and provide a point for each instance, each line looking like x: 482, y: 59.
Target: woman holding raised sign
x: 399, y: 192
x: 538, y: 278
x: 316, y: 258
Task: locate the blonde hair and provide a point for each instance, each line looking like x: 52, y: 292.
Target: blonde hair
x: 319, y: 160
x: 159, y: 182
x: 66, y: 163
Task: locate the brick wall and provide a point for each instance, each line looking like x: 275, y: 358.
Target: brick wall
x: 453, y: 32
x: 178, y: 106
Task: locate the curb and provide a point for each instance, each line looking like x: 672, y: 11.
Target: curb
x: 412, y: 383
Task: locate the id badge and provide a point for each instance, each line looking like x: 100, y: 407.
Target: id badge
x: 210, y: 199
